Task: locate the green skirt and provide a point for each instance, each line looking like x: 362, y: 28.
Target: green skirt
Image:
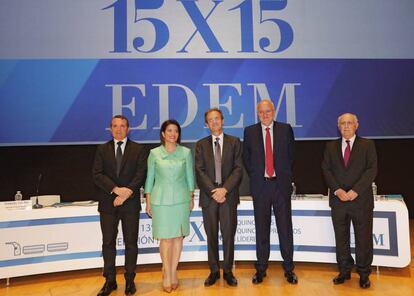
x: 170, y: 221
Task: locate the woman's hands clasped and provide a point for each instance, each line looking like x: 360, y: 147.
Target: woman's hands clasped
x: 148, y: 205
x: 191, y: 201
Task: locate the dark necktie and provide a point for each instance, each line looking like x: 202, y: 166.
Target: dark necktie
x: 269, y: 155
x: 217, y: 160
x: 118, y: 157
x: 347, y: 153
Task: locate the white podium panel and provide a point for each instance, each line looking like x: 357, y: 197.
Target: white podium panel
x: 69, y: 238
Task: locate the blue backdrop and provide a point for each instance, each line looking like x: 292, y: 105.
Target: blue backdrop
x: 62, y: 77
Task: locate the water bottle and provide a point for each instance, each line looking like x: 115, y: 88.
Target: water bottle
x: 374, y: 190
x: 293, y: 196
x: 18, y: 196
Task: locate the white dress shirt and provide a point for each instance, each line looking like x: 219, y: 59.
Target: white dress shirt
x: 122, y: 146
x: 221, y: 137
x: 351, y: 143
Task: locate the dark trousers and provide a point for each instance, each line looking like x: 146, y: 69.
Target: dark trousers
x: 362, y: 220
x: 109, y: 227
x: 223, y: 215
x: 269, y: 198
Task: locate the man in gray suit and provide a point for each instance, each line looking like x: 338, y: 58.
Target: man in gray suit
x: 349, y: 167
x: 219, y: 169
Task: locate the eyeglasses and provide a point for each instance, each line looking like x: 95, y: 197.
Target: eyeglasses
x: 265, y: 112
x: 346, y: 123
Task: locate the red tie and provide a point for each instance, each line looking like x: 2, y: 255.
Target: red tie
x: 269, y: 155
x: 347, y: 153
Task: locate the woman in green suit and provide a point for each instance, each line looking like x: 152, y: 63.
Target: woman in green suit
x: 169, y: 197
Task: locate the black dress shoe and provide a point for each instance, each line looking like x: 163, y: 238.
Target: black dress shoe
x: 258, y: 277
x: 107, y: 288
x: 341, y: 277
x: 230, y: 279
x: 212, y: 278
x: 364, y: 282
x: 130, y: 288
x: 291, y: 277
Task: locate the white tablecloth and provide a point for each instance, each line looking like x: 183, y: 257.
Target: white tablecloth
x: 69, y: 238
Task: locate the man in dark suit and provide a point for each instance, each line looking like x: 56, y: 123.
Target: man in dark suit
x: 349, y: 167
x: 118, y: 172
x: 268, y: 149
x: 219, y: 169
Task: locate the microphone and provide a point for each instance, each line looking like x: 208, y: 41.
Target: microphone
x: 37, y: 205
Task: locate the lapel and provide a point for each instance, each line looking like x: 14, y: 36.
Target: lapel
x: 338, y: 151
x: 275, y: 141
x: 111, y: 153
x: 226, y: 150
x: 125, y: 155
x: 260, y: 141
x: 163, y: 152
x: 354, y: 152
x: 209, y: 150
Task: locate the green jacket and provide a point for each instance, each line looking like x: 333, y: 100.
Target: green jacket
x: 170, y: 177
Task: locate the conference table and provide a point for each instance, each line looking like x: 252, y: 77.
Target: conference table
x: 67, y: 236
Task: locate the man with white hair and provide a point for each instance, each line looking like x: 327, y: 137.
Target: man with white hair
x: 349, y: 167
x: 268, y: 152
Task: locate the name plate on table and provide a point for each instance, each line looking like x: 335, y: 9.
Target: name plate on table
x: 16, y: 205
